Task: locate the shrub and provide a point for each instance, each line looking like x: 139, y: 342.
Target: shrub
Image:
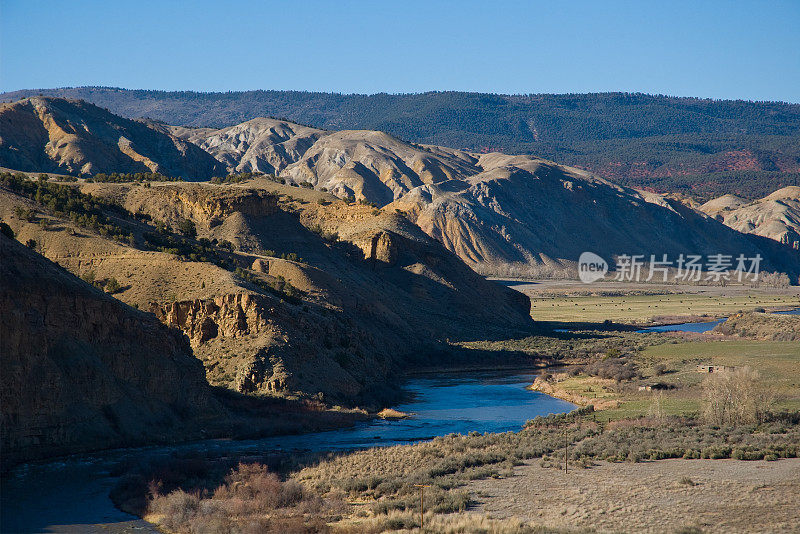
x: 612, y: 368
x: 89, y: 277
x: 6, y: 230
x: 112, y: 286
x: 177, y: 508
x: 747, y: 453
x: 187, y: 228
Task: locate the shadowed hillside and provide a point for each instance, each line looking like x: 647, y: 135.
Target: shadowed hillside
x: 82, y: 370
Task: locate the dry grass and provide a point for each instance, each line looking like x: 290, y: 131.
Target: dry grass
x: 724, y: 496
x: 642, y: 308
x: 466, y: 523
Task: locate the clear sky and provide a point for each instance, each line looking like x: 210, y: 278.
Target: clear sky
x: 708, y: 48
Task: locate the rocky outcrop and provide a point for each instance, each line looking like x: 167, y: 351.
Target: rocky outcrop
x: 74, y: 137
x: 82, y: 371
x: 229, y: 316
x: 379, y: 247
x: 205, y: 204
x: 253, y: 343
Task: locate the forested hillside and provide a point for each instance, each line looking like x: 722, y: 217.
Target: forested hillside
x: 696, y: 146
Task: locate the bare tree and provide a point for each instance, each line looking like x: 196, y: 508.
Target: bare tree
x: 736, y: 397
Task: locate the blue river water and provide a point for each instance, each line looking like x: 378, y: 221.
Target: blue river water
x: 71, y: 495
x: 684, y: 327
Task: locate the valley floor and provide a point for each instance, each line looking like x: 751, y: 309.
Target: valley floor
x: 663, y: 496
x: 646, y: 304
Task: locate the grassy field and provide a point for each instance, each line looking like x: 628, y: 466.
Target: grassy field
x: 642, y: 308
x: 778, y: 363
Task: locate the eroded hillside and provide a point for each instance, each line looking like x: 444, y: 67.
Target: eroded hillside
x: 42, y: 134
x: 501, y: 214
x: 776, y: 216
x: 700, y: 146
x: 280, y: 290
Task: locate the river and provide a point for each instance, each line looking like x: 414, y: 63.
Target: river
x: 704, y: 326
x: 71, y: 495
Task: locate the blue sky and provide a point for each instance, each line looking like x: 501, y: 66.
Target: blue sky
x: 720, y: 49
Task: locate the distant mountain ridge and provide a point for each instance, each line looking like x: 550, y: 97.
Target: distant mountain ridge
x: 700, y: 146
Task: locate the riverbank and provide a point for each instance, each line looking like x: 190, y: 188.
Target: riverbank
x: 377, y: 489
x: 590, y: 391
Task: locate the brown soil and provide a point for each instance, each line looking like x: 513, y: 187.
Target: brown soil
x: 664, y: 496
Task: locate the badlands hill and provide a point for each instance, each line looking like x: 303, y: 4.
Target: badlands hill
x: 500, y: 214
x: 72, y: 137
x: 528, y: 216
x: 776, y: 216
x: 280, y: 290
x: 260, y: 145
x: 691, y: 145
x: 82, y: 370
